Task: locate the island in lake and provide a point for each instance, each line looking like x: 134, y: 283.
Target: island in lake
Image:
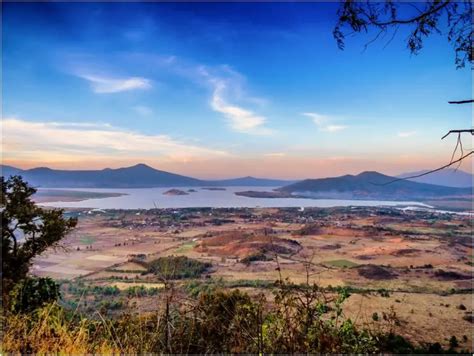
x: 259, y: 194
x: 213, y: 188
x: 175, y: 192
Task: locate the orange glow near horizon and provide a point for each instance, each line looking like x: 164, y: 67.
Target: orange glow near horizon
x: 267, y: 167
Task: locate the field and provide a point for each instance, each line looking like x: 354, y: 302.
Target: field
x: 417, y: 265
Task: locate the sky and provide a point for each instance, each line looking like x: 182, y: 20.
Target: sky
x: 217, y: 90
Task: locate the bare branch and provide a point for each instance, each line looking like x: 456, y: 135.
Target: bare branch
x: 462, y: 101
x: 471, y: 131
x: 429, y: 172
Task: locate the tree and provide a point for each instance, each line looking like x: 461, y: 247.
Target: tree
x: 422, y: 19
x: 32, y: 293
x: 27, y: 230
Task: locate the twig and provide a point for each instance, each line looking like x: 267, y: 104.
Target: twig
x: 429, y: 172
x: 471, y: 131
x: 462, y: 101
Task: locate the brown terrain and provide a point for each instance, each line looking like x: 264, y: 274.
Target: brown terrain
x: 417, y: 265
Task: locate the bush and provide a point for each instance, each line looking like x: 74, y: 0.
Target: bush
x: 300, y: 319
x: 33, y: 293
x: 177, y: 267
x: 260, y: 256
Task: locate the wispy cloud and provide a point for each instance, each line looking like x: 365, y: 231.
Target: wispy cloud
x: 108, y: 85
x: 43, y: 141
x: 143, y: 110
x: 225, y: 83
x: 240, y: 119
x: 334, y: 128
x: 275, y: 154
x: 323, y: 122
x: 405, y: 134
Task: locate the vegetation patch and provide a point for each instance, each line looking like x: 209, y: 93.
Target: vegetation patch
x: 186, y: 247
x: 308, y: 229
x: 341, y: 263
x: 260, y: 256
x: 450, y: 275
x: 87, y: 240
x: 176, y: 267
x: 375, y: 272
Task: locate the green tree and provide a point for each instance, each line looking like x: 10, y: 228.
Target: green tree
x: 32, y: 293
x: 27, y: 230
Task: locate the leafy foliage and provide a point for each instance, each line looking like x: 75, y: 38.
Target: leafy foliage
x: 32, y: 293
x: 175, y: 267
x: 27, y: 230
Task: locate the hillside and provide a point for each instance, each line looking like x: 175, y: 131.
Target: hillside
x: 447, y: 177
x: 370, y: 185
x: 138, y: 176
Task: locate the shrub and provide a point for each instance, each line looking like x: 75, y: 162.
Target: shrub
x: 177, y: 267
x: 260, y: 256
x: 33, y: 293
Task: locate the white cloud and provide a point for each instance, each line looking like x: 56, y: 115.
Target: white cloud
x: 226, y: 83
x: 104, y: 85
x: 275, y: 154
x: 406, y: 134
x: 240, y: 119
x: 334, y: 128
x: 41, y: 141
x: 143, y: 110
x: 323, y: 122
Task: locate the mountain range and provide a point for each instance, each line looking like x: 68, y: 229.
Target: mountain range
x: 370, y: 185
x: 138, y: 176
x: 366, y: 185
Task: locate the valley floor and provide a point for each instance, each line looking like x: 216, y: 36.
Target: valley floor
x: 417, y: 265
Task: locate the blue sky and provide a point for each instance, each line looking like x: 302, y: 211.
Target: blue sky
x: 218, y: 90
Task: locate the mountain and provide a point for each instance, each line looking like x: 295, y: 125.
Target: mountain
x: 370, y: 185
x: 138, y: 176
x: 7, y: 171
x: 447, y: 177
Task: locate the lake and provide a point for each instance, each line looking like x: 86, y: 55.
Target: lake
x: 148, y: 198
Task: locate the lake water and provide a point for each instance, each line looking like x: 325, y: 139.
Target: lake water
x: 148, y: 198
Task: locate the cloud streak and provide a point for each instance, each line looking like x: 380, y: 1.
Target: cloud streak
x: 324, y: 122
x: 240, y: 119
x: 43, y: 141
x: 406, y: 134
x: 107, y: 85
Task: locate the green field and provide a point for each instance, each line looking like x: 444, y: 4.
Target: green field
x: 87, y: 240
x: 186, y: 247
x: 341, y: 263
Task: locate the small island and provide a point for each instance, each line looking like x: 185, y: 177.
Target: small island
x: 192, y: 190
x: 175, y: 192
x: 260, y: 194
x: 213, y: 188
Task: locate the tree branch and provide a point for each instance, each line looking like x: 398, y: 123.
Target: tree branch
x: 462, y: 101
x: 414, y: 19
x: 429, y: 172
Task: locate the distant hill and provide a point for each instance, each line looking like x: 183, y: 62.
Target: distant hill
x: 370, y: 185
x: 447, y: 177
x: 138, y: 176
x: 252, y: 181
x: 7, y: 171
